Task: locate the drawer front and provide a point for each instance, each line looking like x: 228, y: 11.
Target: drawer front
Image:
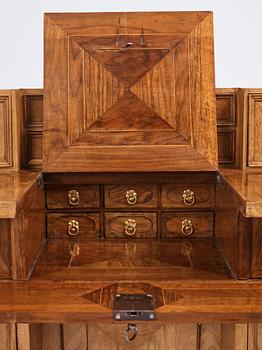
x: 75, y: 226
x: 73, y: 197
x: 5, y: 250
x: 131, y: 196
x: 187, y: 224
x: 130, y: 225
x: 191, y: 196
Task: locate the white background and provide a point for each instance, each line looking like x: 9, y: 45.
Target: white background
x: 238, y: 30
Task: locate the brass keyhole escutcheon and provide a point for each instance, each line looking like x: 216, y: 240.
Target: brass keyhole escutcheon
x: 130, y: 227
x: 131, y: 197
x: 73, y: 228
x: 73, y: 197
x: 187, y: 227
x: 188, y: 197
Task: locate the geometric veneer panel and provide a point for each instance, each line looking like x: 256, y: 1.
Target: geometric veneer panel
x: 129, y: 92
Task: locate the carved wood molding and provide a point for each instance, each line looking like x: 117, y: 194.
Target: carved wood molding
x: 6, y: 145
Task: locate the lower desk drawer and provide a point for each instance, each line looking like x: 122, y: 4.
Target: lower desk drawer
x: 130, y: 225
x: 186, y: 224
x: 84, y: 225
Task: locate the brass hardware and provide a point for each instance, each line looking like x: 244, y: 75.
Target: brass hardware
x: 187, y: 227
x: 73, y: 228
x: 130, y: 227
x: 131, y: 197
x: 134, y: 307
x: 131, y: 332
x: 73, y: 197
x: 188, y: 197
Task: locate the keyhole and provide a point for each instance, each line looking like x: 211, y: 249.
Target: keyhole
x: 129, y: 44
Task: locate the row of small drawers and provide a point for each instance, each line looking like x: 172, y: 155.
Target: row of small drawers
x: 131, y: 196
x: 130, y: 225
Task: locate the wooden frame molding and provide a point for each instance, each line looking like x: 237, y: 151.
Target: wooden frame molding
x: 6, y: 128
x: 254, y: 157
x: 9, y: 132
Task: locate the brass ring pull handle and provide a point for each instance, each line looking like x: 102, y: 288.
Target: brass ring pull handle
x: 130, y: 227
x: 187, y: 227
x: 73, y: 197
x: 131, y: 197
x: 73, y: 228
x: 131, y: 332
x: 188, y: 197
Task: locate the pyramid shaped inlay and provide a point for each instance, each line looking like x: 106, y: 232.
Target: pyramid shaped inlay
x: 128, y: 66
x: 130, y: 113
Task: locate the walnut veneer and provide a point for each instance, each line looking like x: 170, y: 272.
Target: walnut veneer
x: 232, y: 105
x: 129, y: 93
x: 22, y: 222
x: 131, y: 199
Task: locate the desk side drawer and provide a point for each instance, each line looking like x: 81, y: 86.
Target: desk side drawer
x: 130, y: 225
x: 75, y: 226
x: 186, y: 224
x: 131, y: 196
x: 188, y: 196
x: 73, y: 197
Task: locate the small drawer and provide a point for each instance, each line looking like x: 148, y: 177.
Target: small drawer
x: 76, y: 226
x: 130, y: 225
x: 73, y: 197
x: 187, y: 224
x: 131, y: 196
x: 191, y: 196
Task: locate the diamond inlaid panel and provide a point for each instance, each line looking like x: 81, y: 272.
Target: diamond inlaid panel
x: 129, y: 89
x: 134, y: 87
x: 105, y: 296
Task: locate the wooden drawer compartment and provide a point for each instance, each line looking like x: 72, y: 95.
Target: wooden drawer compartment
x: 76, y: 226
x: 131, y: 196
x: 130, y: 225
x: 188, y: 196
x: 186, y: 224
x: 73, y: 196
x: 5, y: 250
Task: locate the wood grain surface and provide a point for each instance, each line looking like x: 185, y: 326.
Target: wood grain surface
x: 114, y: 114
x: 13, y: 187
x: 171, y: 224
x: 89, y: 225
x: 172, y: 195
x: 146, y: 196
x: 247, y: 186
x: 145, y: 225
x: 184, y: 302
x: 57, y: 197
